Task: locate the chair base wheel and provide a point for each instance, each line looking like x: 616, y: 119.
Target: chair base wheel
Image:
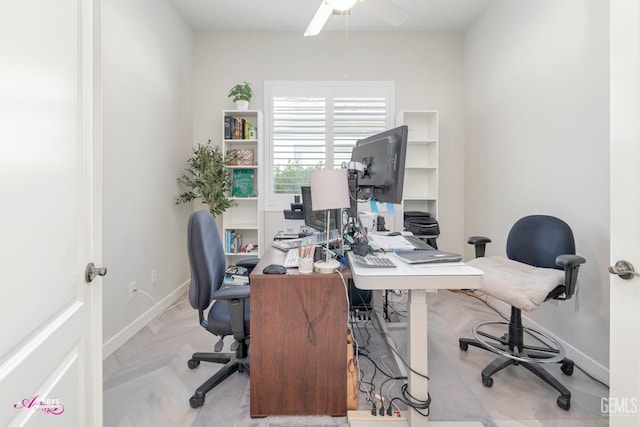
x: 464, y: 346
x: 564, y: 402
x: 193, y: 364
x: 487, y: 381
x: 567, y: 368
x: 196, y: 402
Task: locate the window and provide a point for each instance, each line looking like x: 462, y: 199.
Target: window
x: 314, y: 125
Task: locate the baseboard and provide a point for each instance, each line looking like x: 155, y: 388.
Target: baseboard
x: 593, y: 368
x: 136, y: 326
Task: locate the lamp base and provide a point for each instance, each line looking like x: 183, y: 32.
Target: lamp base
x: 326, y: 267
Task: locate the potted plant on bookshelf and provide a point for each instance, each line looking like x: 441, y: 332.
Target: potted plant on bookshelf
x: 208, y: 178
x: 241, y: 94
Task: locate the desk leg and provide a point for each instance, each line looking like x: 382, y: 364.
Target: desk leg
x: 417, y: 351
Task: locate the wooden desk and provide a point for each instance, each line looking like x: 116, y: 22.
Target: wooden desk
x: 298, y: 340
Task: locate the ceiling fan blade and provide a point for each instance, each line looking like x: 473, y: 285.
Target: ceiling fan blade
x: 388, y: 10
x: 319, y: 19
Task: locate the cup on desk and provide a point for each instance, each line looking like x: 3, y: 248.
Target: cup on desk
x: 305, y: 265
x: 305, y: 258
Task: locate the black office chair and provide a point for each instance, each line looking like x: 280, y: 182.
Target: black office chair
x: 541, y: 266
x: 229, y: 314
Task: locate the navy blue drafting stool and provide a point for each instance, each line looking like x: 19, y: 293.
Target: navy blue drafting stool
x: 229, y: 314
x: 541, y: 265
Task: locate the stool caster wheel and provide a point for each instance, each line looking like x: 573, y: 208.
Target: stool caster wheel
x: 564, y: 402
x: 193, y: 364
x: 487, y: 381
x: 196, y: 402
x: 464, y: 346
x: 567, y: 368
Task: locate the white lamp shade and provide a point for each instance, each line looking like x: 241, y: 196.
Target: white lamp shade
x: 329, y: 189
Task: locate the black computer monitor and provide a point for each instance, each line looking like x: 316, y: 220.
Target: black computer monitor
x: 318, y: 219
x: 383, y: 158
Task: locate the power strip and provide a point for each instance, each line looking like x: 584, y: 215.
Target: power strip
x: 367, y: 416
x: 359, y: 315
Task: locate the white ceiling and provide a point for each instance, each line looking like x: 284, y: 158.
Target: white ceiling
x: 294, y: 15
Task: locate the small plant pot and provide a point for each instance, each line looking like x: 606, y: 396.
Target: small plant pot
x: 242, y: 105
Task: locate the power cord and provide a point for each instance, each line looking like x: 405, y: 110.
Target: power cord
x: 311, y: 333
x: 144, y: 293
x: 172, y: 306
x: 382, y: 402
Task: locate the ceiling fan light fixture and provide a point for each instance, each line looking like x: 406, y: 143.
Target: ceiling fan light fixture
x: 341, y: 5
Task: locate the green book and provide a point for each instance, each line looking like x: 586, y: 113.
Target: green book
x: 243, y: 183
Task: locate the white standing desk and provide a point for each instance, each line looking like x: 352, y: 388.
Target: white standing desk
x: 418, y: 279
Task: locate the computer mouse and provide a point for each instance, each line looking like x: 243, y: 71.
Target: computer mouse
x: 394, y: 233
x: 275, y: 269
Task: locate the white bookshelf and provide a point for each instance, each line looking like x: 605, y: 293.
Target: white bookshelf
x: 245, y: 221
x: 421, y: 165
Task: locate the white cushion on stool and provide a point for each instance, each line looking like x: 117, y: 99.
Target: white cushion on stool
x: 520, y: 285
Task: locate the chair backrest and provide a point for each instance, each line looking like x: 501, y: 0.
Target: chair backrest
x: 538, y: 239
x: 206, y: 258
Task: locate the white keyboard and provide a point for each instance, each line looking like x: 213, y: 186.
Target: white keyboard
x: 291, y: 260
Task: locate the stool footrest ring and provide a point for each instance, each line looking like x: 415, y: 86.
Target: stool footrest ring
x: 556, y: 354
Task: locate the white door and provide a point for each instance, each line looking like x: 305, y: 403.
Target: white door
x: 50, y: 318
x: 623, y: 404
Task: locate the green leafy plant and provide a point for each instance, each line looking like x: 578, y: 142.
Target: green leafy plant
x: 241, y: 92
x: 288, y: 178
x: 208, y: 178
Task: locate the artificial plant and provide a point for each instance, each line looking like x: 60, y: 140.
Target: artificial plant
x: 208, y: 178
x: 241, y: 92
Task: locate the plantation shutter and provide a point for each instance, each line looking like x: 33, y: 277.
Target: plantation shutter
x: 299, y: 141
x: 354, y: 119
x: 306, y: 137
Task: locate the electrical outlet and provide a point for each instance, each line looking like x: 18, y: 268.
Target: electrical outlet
x: 133, y: 287
x: 154, y: 277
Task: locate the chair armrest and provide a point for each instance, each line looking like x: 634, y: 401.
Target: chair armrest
x: 571, y: 264
x: 569, y: 260
x: 236, y: 296
x: 480, y: 243
x: 231, y: 292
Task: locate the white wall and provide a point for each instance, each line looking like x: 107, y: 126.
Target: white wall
x: 537, y: 141
x: 427, y: 69
x: 147, y: 137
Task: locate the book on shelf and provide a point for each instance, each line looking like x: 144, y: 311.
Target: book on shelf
x: 233, y: 241
x: 238, y: 128
x: 243, y: 183
x: 234, y: 245
x: 228, y: 127
x: 234, y: 127
x: 238, y: 131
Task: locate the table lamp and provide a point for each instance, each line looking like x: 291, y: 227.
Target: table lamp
x: 329, y: 190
